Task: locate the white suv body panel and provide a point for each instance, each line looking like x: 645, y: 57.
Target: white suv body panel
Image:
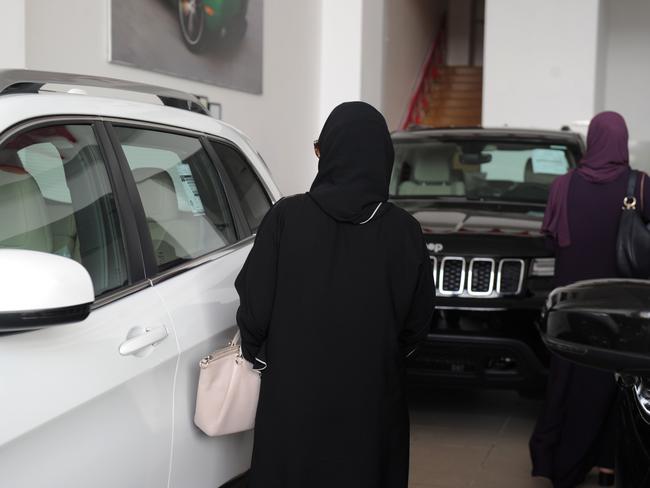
x: 203, y: 303
x: 77, y: 413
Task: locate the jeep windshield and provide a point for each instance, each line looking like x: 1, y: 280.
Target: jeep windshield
x: 516, y: 171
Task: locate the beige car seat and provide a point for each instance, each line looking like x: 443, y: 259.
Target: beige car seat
x: 175, y: 233
x: 158, y: 196
x: 24, y: 222
x: 431, y: 175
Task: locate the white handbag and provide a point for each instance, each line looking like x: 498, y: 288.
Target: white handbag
x: 229, y: 388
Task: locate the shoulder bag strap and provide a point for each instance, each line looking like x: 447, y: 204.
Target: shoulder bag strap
x: 642, y: 192
x: 629, y: 202
x: 631, y: 183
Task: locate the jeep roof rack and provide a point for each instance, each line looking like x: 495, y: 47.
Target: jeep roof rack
x: 14, y: 81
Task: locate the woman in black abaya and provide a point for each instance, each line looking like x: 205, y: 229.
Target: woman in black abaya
x: 337, y: 290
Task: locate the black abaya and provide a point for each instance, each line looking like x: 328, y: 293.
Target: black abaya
x: 333, y: 295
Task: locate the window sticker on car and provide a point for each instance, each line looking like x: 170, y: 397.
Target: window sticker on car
x: 549, y: 161
x: 190, y: 189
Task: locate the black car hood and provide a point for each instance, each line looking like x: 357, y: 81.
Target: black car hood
x: 484, y: 219
x: 479, y: 228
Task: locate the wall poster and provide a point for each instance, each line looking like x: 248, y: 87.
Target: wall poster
x: 212, y: 41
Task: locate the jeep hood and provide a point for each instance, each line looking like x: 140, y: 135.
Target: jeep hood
x: 480, y: 228
x: 477, y: 218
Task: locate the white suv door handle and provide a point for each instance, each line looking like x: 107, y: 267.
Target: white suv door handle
x: 150, y: 337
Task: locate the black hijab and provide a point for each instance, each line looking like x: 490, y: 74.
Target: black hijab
x: 356, y: 161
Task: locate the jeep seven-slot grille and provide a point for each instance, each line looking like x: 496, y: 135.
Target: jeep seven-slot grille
x: 481, y: 277
x: 452, y: 275
x: 478, y: 277
x: 511, y: 272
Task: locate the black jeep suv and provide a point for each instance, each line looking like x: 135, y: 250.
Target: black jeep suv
x: 479, y: 195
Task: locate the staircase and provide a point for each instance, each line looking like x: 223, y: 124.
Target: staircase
x: 446, y: 96
x: 454, y: 98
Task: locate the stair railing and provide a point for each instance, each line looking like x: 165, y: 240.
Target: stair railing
x: 429, y: 73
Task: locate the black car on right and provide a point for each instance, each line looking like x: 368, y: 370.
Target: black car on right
x: 606, y: 324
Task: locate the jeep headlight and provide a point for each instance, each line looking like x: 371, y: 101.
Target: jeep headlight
x: 543, y: 267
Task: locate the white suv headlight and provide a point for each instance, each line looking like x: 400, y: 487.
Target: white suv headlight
x: 543, y: 267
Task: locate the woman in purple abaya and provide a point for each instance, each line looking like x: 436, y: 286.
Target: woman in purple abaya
x: 576, y: 430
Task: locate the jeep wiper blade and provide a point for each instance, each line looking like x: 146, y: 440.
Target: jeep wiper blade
x: 506, y: 201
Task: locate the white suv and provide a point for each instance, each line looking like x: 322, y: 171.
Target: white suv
x: 123, y: 225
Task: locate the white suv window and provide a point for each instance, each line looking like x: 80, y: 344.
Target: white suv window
x: 183, y: 198
x: 252, y: 197
x: 55, y: 197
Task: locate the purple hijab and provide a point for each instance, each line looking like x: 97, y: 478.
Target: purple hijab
x: 604, y: 161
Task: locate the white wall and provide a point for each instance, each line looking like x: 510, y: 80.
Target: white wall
x: 409, y: 29
x: 351, y: 53
x: 627, y: 73
x: 12, y: 34
x: 601, y: 60
x: 282, y: 122
x: 540, y: 62
x: 341, y: 43
x: 372, y: 52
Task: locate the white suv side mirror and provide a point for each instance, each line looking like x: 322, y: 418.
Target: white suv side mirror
x: 39, y: 289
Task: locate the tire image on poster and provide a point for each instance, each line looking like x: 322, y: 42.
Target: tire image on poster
x: 222, y: 20
x: 218, y: 42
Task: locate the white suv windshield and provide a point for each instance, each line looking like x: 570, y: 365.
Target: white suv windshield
x: 512, y: 171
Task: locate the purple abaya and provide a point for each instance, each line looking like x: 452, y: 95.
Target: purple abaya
x: 576, y: 430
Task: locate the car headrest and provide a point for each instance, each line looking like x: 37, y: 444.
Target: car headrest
x: 23, y: 212
x: 431, y: 165
x: 157, y: 192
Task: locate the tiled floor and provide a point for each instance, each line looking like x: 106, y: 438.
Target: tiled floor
x: 472, y: 438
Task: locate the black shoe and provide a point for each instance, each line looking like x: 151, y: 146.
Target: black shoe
x: 605, y: 479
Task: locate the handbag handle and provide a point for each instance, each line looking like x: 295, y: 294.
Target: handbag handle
x: 236, y: 341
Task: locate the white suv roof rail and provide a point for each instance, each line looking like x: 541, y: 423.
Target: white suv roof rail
x: 14, y: 81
